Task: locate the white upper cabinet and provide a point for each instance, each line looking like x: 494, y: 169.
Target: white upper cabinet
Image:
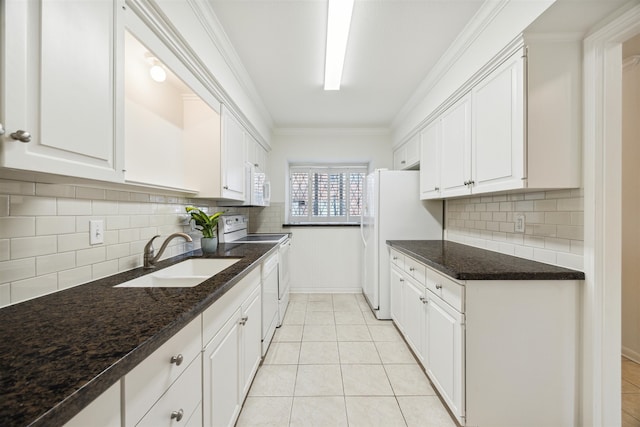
x: 256, y: 154
x: 233, y: 157
x: 497, y: 128
x: 60, y: 87
x: 518, y: 127
x: 456, y: 149
x: 408, y: 155
x: 430, y: 161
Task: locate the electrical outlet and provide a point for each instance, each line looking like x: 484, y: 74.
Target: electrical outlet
x: 96, y: 231
x: 520, y: 220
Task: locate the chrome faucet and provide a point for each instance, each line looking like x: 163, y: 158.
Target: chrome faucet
x: 149, y: 258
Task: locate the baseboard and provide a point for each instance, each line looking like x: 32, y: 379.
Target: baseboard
x: 325, y: 290
x: 630, y: 354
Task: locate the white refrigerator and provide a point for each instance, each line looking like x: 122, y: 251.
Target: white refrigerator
x: 392, y: 211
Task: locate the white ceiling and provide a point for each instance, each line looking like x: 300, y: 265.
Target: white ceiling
x: 392, y: 47
x: 393, y: 44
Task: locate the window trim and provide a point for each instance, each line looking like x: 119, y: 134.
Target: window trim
x: 328, y: 168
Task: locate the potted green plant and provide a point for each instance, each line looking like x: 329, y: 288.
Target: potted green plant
x: 208, y: 226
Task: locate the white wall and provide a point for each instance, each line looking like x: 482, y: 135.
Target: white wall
x: 323, y: 259
x: 631, y: 210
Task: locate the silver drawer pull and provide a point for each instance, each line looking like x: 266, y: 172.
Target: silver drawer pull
x: 177, y: 359
x: 177, y: 415
x: 402, y: 280
x: 395, y: 258
x: 424, y: 300
x: 243, y: 320
x: 438, y: 286
x: 411, y: 269
x: 21, y: 135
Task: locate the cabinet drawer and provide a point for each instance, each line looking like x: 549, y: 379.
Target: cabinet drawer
x: 415, y: 269
x: 450, y: 291
x: 397, y: 258
x: 151, y: 378
x: 181, y: 401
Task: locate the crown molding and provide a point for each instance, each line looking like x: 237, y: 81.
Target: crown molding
x: 474, y: 28
x: 331, y: 131
x: 630, y: 61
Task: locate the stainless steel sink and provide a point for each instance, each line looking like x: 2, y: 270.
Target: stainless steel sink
x: 186, y: 274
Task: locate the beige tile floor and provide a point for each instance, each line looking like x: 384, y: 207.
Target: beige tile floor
x: 630, y: 393
x: 333, y: 364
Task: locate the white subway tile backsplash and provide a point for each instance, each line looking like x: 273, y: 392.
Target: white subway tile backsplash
x: 73, y: 242
x: 55, y: 190
x: 91, y: 256
x: 118, y: 251
x: 17, y: 187
x: 24, y: 247
x: 104, y: 269
x: 553, y: 223
x: 73, y: 277
x: 32, y: 206
x: 17, y: 269
x: 4, y: 249
x: 5, y: 295
x: 56, y: 262
x: 557, y: 218
x: 100, y: 207
x: 31, y: 288
x: 4, y: 205
x: 74, y: 207
x: 571, y: 261
x: 90, y: 193
x: 44, y: 233
x: 53, y: 225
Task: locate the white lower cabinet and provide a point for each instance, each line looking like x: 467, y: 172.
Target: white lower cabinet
x: 231, y: 357
x: 444, y: 355
x: 414, y: 316
x: 499, y: 352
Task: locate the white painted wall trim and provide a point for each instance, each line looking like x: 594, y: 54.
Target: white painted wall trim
x: 330, y: 131
x: 601, y: 400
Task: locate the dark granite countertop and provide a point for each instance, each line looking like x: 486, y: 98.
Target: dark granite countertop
x: 464, y: 262
x: 61, y: 351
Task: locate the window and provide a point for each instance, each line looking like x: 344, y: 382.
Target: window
x: 324, y: 193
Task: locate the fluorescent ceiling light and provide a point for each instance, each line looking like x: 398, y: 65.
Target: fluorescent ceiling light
x: 338, y: 23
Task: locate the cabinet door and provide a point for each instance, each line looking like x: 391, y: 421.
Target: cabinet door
x: 413, y: 151
x: 233, y: 157
x: 498, y: 128
x: 251, y: 340
x: 445, y: 347
x: 413, y: 311
x: 221, y: 373
x: 456, y: 149
x: 400, y: 158
x: 104, y: 411
x: 60, y: 84
x: 430, y: 161
x: 397, y: 284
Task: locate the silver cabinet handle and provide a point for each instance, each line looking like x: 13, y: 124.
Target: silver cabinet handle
x: 436, y: 189
x: 256, y: 165
x: 21, y: 135
x: 403, y: 162
x: 1, y: 129
x: 411, y: 269
x: 424, y: 300
x: 438, y: 286
x: 401, y: 279
x: 177, y: 359
x: 226, y: 187
x: 177, y: 414
x: 243, y: 320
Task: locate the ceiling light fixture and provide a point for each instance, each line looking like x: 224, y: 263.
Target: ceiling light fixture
x: 338, y: 24
x: 156, y: 70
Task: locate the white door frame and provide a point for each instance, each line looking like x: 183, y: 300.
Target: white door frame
x: 601, y: 399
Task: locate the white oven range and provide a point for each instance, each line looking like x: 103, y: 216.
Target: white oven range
x: 275, y: 271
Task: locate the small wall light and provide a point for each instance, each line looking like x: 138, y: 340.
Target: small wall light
x: 156, y: 70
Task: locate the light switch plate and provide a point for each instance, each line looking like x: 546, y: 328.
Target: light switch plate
x: 96, y: 231
x: 520, y: 220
